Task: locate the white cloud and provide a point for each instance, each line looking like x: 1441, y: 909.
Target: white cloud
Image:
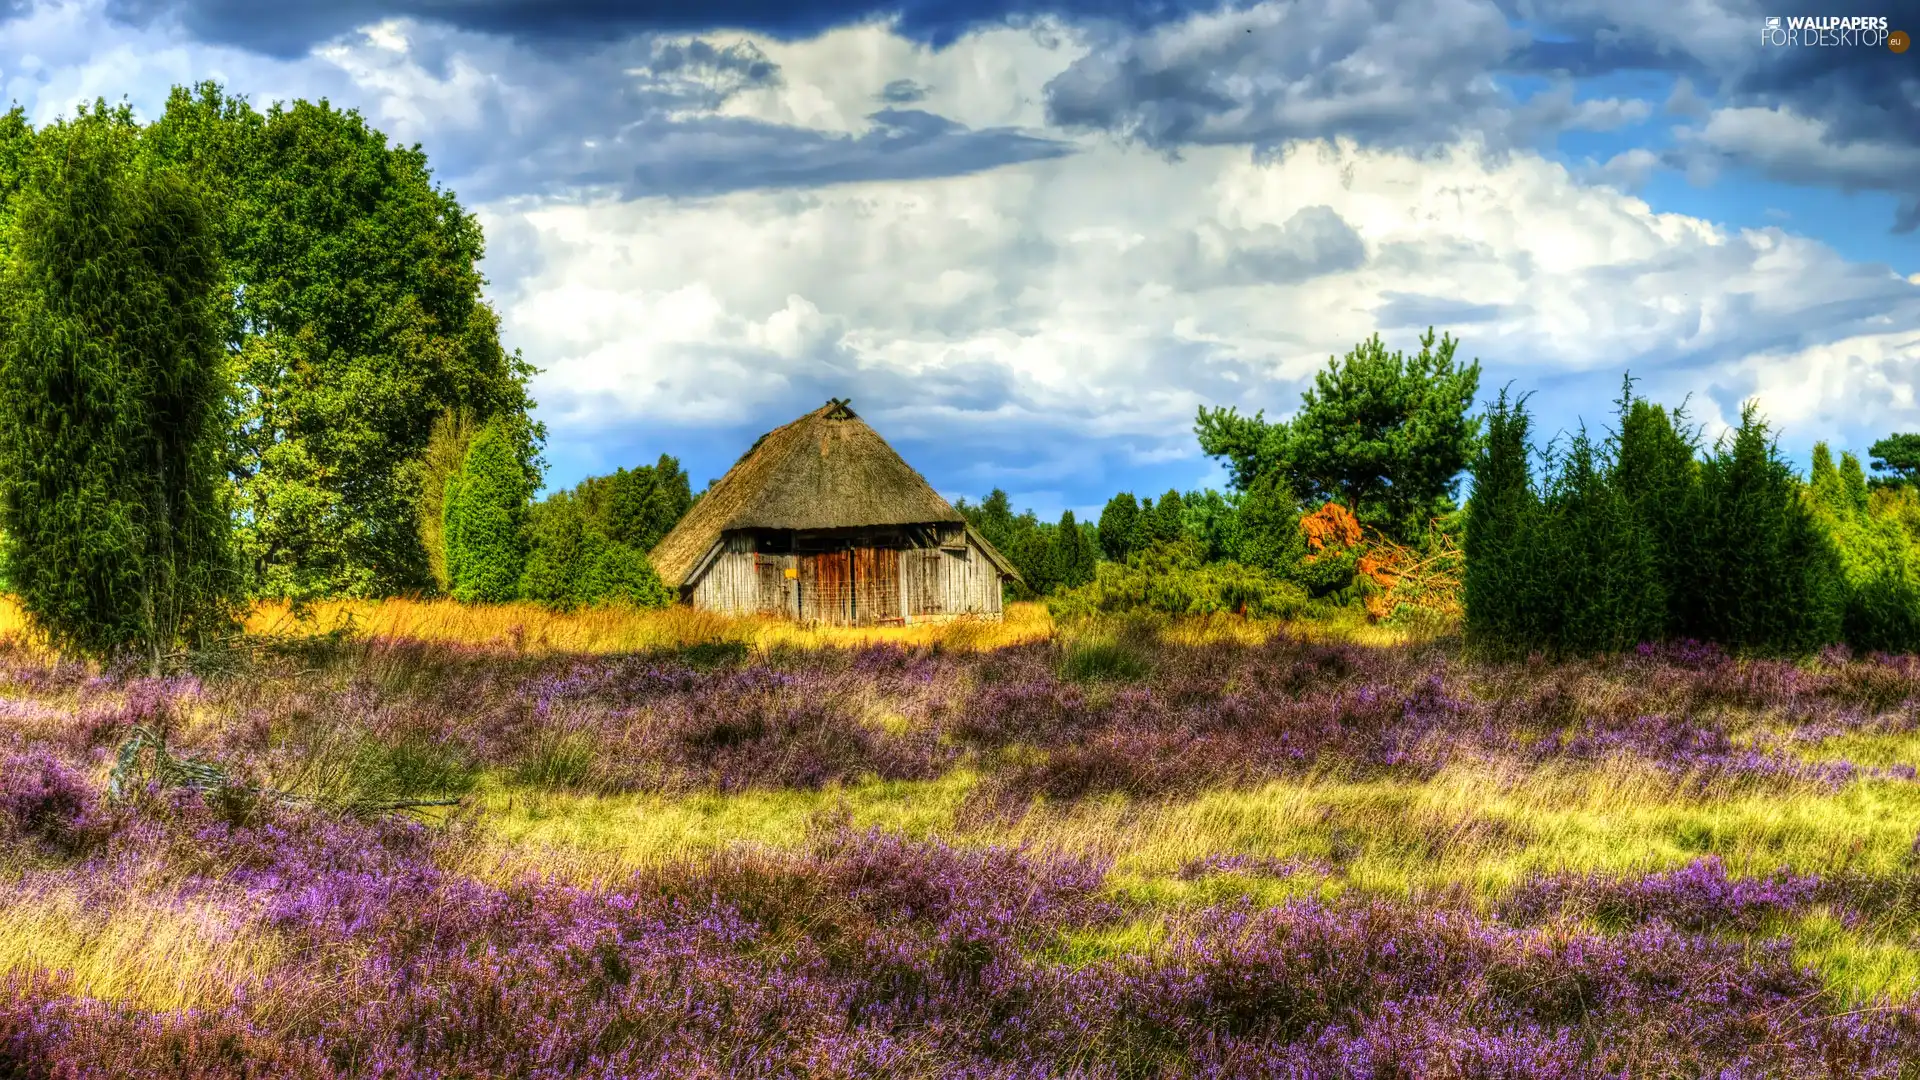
x: 1055, y: 293
x: 992, y: 78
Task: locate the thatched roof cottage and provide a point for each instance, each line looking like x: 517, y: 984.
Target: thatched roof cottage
x: 822, y: 521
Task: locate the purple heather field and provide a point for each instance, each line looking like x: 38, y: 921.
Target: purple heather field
x: 1670, y: 863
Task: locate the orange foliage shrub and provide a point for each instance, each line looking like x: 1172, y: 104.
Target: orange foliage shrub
x: 1332, y: 525
x: 1397, y: 575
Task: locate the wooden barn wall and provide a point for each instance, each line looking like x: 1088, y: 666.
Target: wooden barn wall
x: 942, y: 582
x: 732, y: 584
x: 854, y: 585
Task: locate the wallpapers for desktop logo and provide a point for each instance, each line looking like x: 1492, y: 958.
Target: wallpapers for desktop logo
x: 1868, y: 31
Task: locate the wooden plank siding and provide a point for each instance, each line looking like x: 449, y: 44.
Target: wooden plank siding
x: 856, y: 584
x: 732, y: 584
x: 826, y: 587
x: 876, y: 586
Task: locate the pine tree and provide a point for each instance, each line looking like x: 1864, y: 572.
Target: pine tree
x: 1604, y: 587
x: 573, y: 563
x: 1383, y: 433
x: 644, y: 504
x: 1073, y: 554
x: 1165, y: 521
x: 486, y: 511
x: 112, y: 386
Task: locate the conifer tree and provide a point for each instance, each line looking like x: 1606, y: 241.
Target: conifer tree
x: 1601, y: 575
x: 1269, y: 534
x: 1165, y: 521
x: 1073, y: 554
x: 1654, y: 469
x: 1879, y: 561
x: 112, y: 386
x: 1770, y: 575
x: 486, y: 510
x: 1499, y: 582
x: 1120, y: 527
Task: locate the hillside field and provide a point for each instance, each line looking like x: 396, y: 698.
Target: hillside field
x: 669, y: 844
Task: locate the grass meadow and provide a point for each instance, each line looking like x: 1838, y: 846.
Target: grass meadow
x: 678, y: 845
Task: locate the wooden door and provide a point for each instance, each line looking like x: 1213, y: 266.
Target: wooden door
x: 775, y: 590
x: 876, y: 586
x: 924, y: 591
x: 826, y: 587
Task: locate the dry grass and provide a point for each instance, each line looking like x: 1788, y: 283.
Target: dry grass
x: 533, y: 629
x: 529, y: 628
x: 13, y: 621
x: 150, y: 951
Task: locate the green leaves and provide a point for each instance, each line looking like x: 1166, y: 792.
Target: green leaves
x: 113, y: 384
x: 1898, y: 457
x: 486, y: 520
x: 1635, y: 540
x: 575, y: 563
x: 1385, y: 434
x: 356, y: 314
x: 1879, y: 557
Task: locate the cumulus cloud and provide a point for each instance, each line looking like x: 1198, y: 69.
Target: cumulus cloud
x: 699, y: 233
x: 1057, y: 321
x: 1378, y: 71
x: 1801, y: 149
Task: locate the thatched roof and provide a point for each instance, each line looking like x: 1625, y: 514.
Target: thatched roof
x: 826, y: 470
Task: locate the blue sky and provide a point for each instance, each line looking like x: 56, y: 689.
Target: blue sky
x: 1029, y: 239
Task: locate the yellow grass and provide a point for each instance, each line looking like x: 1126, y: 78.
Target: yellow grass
x: 1475, y: 827
x: 175, y: 954
x: 13, y: 621
x: 529, y: 628
x: 533, y: 629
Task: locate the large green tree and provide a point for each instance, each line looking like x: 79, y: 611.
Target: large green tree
x: 639, y: 506
x: 1384, y: 433
x: 1897, y: 458
x: 357, y: 321
x: 112, y: 388
x: 1596, y: 559
x: 1122, y: 532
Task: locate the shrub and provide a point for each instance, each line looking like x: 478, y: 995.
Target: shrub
x: 1500, y: 583
x: 446, y: 450
x: 574, y: 564
x: 1655, y: 471
x: 486, y: 512
x: 1604, y: 578
x: 1171, y: 579
x: 1269, y: 537
x: 1879, y: 562
x: 1120, y: 527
